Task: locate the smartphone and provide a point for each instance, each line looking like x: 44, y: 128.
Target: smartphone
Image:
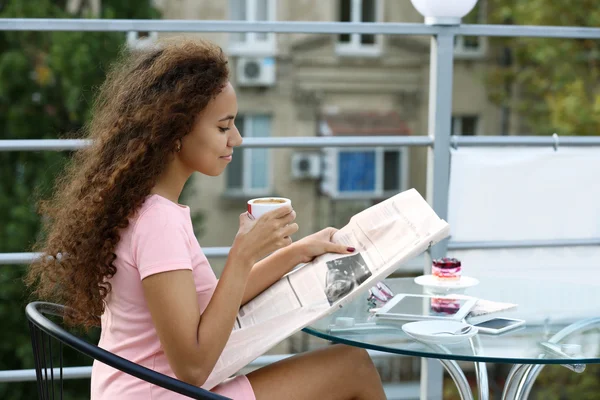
x: 495, y: 326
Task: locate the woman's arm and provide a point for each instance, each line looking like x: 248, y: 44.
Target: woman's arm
x: 194, y: 341
x: 269, y: 270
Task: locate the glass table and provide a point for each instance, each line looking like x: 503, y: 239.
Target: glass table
x: 562, y: 327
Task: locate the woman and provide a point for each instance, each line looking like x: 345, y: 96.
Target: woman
x: 126, y: 256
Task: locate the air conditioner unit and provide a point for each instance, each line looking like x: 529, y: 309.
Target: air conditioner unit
x: 306, y: 165
x: 255, y: 71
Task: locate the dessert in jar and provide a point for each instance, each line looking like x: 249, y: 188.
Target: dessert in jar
x: 444, y: 305
x: 446, y: 269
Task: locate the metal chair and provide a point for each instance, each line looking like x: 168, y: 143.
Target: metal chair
x: 44, y: 332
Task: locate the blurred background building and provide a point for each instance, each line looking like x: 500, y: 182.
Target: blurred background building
x: 327, y: 85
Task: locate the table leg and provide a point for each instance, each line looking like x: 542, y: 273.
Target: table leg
x: 457, y: 375
x: 459, y: 379
x: 522, y: 377
x: 513, y: 381
x: 527, y: 381
x: 482, y: 381
x: 480, y: 371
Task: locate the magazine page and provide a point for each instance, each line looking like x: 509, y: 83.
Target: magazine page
x: 247, y: 344
x: 385, y: 236
x: 391, y: 228
x: 280, y: 298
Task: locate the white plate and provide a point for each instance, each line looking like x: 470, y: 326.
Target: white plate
x: 426, y: 331
x: 436, y: 286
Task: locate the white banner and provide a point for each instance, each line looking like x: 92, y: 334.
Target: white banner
x: 512, y: 193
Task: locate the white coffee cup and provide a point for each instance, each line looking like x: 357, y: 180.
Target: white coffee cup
x: 258, y: 207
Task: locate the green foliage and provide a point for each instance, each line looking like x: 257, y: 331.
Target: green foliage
x: 558, y: 383
x: 47, y: 80
x: 554, y: 81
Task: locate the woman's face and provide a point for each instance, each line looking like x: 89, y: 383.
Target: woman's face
x: 208, y: 148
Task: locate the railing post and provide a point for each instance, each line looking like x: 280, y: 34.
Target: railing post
x: 440, y: 118
x: 438, y: 171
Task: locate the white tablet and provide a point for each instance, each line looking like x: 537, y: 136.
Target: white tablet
x: 417, y: 307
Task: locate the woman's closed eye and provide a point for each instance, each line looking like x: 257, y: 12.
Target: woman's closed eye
x: 223, y: 130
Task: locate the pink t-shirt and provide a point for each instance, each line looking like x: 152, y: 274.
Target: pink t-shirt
x: 159, y: 238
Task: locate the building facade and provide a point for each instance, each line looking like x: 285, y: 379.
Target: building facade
x: 316, y: 84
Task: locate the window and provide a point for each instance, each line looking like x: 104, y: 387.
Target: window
x: 466, y: 125
x: 249, y: 170
x: 358, y: 11
x: 468, y: 45
x: 141, y: 40
x: 365, y: 173
x: 252, y: 43
x: 472, y: 46
x: 356, y: 171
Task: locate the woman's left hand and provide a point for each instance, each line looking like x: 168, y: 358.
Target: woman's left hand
x: 319, y: 243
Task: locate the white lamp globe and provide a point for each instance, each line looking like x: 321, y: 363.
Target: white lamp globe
x: 443, y: 12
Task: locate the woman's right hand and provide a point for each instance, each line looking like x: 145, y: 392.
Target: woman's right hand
x: 257, y: 239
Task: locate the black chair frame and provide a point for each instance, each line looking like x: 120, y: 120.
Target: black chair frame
x: 43, y: 330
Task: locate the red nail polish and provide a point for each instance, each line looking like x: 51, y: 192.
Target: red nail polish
x: 351, y: 249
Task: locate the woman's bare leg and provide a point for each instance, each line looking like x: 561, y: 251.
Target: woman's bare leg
x: 336, y: 372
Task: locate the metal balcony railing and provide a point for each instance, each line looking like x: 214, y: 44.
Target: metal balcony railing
x: 438, y: 139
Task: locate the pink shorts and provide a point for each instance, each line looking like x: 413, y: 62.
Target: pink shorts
x: 237, y: 388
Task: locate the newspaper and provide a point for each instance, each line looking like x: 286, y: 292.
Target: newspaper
x: 384, y: 235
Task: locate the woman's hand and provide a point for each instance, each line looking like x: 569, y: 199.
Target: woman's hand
x: 319, y: 243
x: 256, y: 239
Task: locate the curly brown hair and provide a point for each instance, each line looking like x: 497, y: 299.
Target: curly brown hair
x: 149, y: 101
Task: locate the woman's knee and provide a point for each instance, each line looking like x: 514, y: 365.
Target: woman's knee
x: 355, y: 356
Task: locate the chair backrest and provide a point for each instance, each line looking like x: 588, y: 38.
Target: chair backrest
x: 50, y: 376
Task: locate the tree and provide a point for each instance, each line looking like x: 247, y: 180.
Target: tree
x: 46, y: 87
x: 552, y: 84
